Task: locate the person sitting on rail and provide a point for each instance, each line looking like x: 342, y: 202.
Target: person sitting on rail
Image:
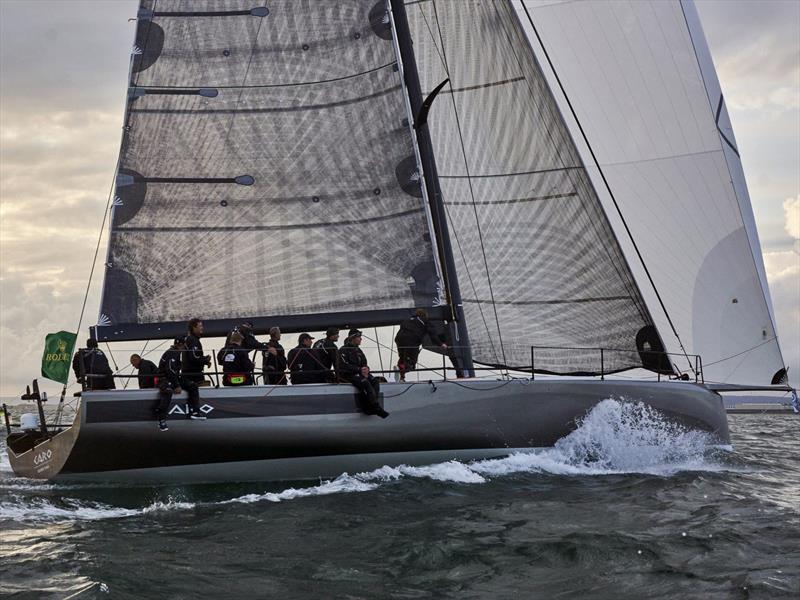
x: 353, y: 368
x: 91, y: 368
x: 147, y: 371
x: 172, y: 381
x: 237, y: 368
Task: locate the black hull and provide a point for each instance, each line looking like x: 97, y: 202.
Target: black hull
x: 295, y: 432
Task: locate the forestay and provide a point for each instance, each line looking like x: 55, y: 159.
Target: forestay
x: 537, y: 261
x: 267, y: 168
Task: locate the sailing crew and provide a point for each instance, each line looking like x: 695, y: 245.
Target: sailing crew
x: 326, y: 350
x: 193, y: 359
x: 409, y: 339
x: 172, y: 381
x: 237, y: 368
x: 147, y: 371
x: 353, y: 369
x: 91, y: 368
x: 274, y: 359
x: 249, y: 341
x: 304, y: 364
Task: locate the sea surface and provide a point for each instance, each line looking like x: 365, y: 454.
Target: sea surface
x: 626, y: 506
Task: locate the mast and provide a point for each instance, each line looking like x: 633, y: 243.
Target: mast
x: 457, y: 323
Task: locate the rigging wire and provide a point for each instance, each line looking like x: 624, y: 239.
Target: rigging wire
x: 380, y: 354
x: 106, y: 213
x: 471, y: 190
x: 453, y: 228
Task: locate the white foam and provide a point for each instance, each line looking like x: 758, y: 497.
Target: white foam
x: 42, y: 510
x: 343, y: 483
x: 5, y: 464
x: 617, y: 437
x: 453, y: 471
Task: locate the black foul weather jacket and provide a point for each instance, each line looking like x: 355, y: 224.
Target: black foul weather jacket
x: 351, y: 360
x: 274, y: 365
x: 147, y: 372
x: 305, y: 366
x: 326, y: 352
x: 412, y: 332
x: 194, y: 361
x: 236, y: 365
x: 169, y: 369
x: 94, y: 363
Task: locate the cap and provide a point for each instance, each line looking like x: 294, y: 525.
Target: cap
x: 354, y: 333
x: 305, y: 336
x: 246, y: 325
x: 181, y: 339
x: 332, y: 331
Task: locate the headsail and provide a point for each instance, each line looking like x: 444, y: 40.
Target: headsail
x: 267, y: 168
x: 642, y: 85
x: 537, y: 260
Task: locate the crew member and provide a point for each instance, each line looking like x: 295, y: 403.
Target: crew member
x: 304, y: 362
x: 91, y: 368
x: 250, y: 342
x: 353, y: 369
x: 274, y: 359
x: 326, y: 350
x: 147, y: 371
x: 194, y: 361
x: 409, y: 339
x: 172, y: 381
x: 237, y: 368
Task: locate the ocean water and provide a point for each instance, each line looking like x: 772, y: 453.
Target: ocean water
x: 627, y: 506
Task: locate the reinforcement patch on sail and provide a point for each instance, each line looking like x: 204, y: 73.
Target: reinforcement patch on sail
x: 259, y: 167
x: 537, y: 261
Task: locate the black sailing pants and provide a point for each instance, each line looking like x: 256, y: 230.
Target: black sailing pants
x: 369, y: 392
x: 165, y: 396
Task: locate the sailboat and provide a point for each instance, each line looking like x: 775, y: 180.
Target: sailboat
x: 558, y: 182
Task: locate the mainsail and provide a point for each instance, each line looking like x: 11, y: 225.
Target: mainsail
x: 267, y: 168
x: 637, y: 87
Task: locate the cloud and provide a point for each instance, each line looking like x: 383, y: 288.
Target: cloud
x: 783, y: 273
x: 791, y: 208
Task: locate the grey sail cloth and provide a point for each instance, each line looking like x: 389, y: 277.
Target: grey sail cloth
x: 537, y: 261
x: 267, y: 167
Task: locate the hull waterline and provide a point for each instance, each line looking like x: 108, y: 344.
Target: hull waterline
x: 267, y: 433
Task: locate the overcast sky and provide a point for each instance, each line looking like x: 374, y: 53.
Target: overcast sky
x: 63, y: 68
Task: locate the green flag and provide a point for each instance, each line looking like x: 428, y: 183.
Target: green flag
x: 57, y: 354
